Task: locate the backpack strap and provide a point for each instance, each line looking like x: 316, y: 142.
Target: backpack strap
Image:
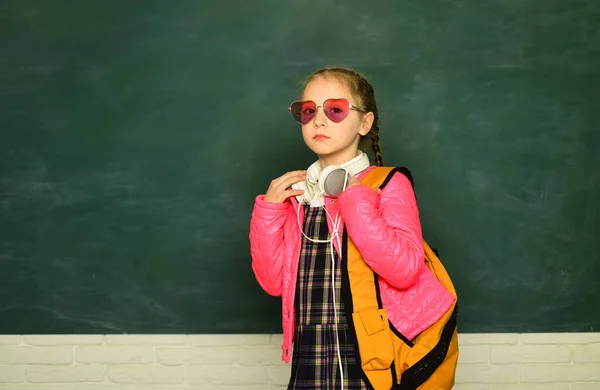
x: 370, y: 323
x: 380, y: 176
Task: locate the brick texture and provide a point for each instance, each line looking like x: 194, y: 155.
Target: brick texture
x: 560, y: 361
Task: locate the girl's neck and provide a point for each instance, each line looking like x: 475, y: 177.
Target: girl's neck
x: 337, y: 159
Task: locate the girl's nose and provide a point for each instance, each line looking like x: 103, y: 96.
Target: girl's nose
x: 320, y: 117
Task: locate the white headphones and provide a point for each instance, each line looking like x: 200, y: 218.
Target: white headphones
x: 331, y: 181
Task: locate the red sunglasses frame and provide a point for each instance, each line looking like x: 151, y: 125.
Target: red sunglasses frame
x: 297, y: 115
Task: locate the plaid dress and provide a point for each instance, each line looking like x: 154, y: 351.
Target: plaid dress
x: 315, y: 359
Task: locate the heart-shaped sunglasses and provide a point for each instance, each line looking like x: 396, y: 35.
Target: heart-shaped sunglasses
x: 303, y: 111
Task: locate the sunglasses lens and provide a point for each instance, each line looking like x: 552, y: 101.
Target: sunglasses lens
x: 303, y: 112
x: 336, y: 109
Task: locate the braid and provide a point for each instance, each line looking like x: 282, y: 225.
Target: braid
x: 375, y: 144
x: 365, y: 93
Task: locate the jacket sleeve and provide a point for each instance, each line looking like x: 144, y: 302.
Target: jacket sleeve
x: 267, y: 244
x: 386, y: 229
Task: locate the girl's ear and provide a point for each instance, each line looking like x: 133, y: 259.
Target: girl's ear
x: 367, y: 122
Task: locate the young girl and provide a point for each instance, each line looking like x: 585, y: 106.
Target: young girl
x: 296, y: 234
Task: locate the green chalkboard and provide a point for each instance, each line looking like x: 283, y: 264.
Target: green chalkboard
x: 135, y: 135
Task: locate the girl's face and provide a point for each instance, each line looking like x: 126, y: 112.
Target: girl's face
x: 334, y: 143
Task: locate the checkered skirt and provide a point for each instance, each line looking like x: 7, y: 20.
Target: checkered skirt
x: 315, y: 358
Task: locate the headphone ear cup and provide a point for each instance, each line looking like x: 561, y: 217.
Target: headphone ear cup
x: 337, y: 181
x: 323, y: 176
x: 333, y: 180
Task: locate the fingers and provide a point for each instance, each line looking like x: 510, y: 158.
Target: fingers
x: 288, y: 176
x: 288, y: 179
x: 290, y: 193
x: 292, y: 180
x: 353, y: 181
x: 280, y: 188
x: 281, y: 196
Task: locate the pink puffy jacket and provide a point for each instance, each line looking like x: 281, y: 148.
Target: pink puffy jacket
x: 386, y: 230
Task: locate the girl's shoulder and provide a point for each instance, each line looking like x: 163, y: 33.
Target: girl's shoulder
x: 396, y: 178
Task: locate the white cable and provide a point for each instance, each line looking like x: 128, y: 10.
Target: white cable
x: 336, y: 224
x: 335, y: 310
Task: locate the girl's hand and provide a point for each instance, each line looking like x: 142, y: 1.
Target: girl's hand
x: 280, y: 188
x: 355, y: 182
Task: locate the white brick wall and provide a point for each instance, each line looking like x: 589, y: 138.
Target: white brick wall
x: 565, y: 361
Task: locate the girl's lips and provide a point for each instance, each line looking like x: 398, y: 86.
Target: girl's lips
x: 320, y: 137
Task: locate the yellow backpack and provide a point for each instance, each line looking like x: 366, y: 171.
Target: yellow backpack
x: 388, y: 359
